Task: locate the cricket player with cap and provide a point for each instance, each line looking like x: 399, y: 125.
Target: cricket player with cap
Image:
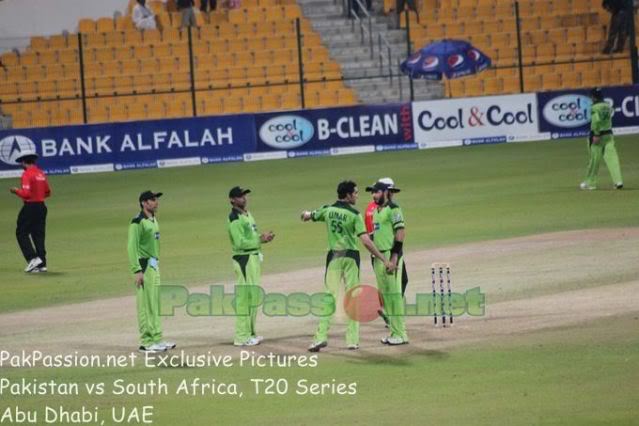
x: 32, y: 219
x: 144, y: 262
x: 246, y: 242
x: 601, y: 143
x: 344, y: 226
x: 388, y: 237
x: 370, y: 228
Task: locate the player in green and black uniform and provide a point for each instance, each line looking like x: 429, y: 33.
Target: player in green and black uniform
x: 601, y: 143
x: 245, y: 244
x: 388, y: 236
x: 144, y: 254
x: 345, y: 227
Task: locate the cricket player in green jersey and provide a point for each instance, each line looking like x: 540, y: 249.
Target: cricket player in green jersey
x: 246, y: 242
x: 144, y: 262
x: 388, y: 237
x: 345, y: 226
x: 601, y: 143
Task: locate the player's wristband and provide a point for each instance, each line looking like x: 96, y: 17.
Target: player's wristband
x: 397, y: 247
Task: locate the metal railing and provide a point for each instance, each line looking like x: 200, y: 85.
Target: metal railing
x: 365, y: 24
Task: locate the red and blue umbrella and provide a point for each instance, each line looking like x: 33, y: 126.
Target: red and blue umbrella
x: 450, y: 58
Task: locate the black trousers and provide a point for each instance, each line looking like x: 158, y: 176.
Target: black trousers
x: 206, y: 3
x: 32, y: 221
x: 619, y: 31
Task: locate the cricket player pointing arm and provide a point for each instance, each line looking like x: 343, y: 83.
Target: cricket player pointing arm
x: 344, y: 226
x: 144, y: 262
x: 389, y: 233
x: 245, y: 244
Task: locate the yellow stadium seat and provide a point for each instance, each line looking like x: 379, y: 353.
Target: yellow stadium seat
x: 571, y: 80
x: 61, y: 42
x: 86, y: 25
x: 10, y: 59
x: 124, y: 23
x: 28, y: 59
x: 474, y: 87
x: 157, y: 7
x: 39, y: 43
x: 510, y: 84
x: 114, y: 39
x: 162, y: 50
x: 151, y: 37
x: 68, y: 56
x: 132, y: 38
x: 106, y: 54
x: 492, y: 86
x: 123, y: 84
x: 105, y: 25
x: 180, y: 50
x: 68, y: 88
x: 173, y: 35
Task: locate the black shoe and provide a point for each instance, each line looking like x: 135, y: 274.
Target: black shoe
x: 316, y: 346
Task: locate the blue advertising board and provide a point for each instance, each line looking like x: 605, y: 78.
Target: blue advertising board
x: 566, y: 113
x: 326, y: 131
x: 121, y: 146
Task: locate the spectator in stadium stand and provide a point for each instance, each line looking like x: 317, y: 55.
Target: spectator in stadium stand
x: 234, y: 4
x: 188, y: 13
x: 401, y: 5
x: 621, y: 12
x: 204, y: 6
x: 143, y: 17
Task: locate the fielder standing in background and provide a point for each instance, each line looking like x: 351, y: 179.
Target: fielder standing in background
x: 144, y: 262
x: 388, y: 237
x: 601, y: 143
x: 32, y: 219
x: 245, y: 244
x: 345, y: 227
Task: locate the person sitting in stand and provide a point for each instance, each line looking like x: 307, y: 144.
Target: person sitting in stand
x: 143, y: 17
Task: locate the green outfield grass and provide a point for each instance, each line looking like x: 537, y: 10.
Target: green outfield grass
x: 584, y: 375
x: 449, y: 196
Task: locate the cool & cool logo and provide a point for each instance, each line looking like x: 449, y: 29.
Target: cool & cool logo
x: 286, y: 131
x: 568, y: 111
x: 12, y: 146
x: 475, y: 117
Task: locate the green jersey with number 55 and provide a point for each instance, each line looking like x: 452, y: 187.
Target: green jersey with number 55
x: 344, y: 225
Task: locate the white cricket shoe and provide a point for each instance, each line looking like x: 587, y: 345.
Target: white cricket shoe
x: 258, y: 338
x: 34, y: 263
x: 394, y: 341
x: 152, y: 349
x: 167, y: 345
x: 251, y: 341
x: 352, y: 347
x: 586, y: 187
x: 619, y: 185
x: 316, y: 346
x: 38, y: 270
